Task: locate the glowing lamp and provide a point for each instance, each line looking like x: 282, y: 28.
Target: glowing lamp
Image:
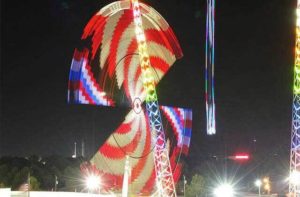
x: 93, y: 182
x: 267, y: 187
x: 224, y: 190
x: 240, y: 157
x: 258, y: 183
x: 295, y: 178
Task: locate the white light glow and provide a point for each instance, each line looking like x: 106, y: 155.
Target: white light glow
x: 211, y: 131
x: 224, y: 190
x: 93, y: 182
x: 298, y: 22
x: 298, y: 13
x: 295, y: 177
x: 258, y: 183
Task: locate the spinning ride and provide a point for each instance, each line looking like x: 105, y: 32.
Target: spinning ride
x: 107, y: 70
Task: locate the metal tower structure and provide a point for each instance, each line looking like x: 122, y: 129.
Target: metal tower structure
x: 294, y: 187
x: 164, y: 177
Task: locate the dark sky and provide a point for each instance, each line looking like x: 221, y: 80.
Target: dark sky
x: 253, y: 71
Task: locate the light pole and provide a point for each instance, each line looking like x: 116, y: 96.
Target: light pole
x: 184, y: 183
x: 29, y: 184
x: 55, y: 183
x: 258, y: 184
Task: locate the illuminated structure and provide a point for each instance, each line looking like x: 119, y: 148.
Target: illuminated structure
x: 107, y: 71
x: 209, y: 68
x: 294, y: 187
x: 164, y: 176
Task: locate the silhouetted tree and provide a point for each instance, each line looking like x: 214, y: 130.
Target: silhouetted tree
x: 196, y: 188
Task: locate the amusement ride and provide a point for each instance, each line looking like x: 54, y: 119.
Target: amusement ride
x: 126, y: 48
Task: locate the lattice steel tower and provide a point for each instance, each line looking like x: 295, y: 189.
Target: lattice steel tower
x: 294, y: 187
x: 164, y: 177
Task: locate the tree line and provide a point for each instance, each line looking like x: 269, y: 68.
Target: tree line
x: 62, y: 174
x: 47, y: 174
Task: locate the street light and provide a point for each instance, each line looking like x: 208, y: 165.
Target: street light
x: 93, y: 182
x: 224, y: 190
x: 258, y: 184
x: 267, y: 184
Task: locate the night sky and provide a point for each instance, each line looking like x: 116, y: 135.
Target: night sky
x: 253, y: 72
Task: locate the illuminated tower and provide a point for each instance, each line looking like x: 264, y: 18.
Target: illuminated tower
x: 294, y: 187
x: 164, y: 177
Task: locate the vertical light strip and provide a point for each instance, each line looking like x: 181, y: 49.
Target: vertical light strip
x: 294, y: 186
x: 164, y: 177
x: 209, y: 68
x: 148, y: 80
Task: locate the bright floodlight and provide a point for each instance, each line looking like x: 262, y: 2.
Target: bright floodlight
x: 258, y: 183
x: 295, y: 178
x: 93, y: 182
x: 224, y: 190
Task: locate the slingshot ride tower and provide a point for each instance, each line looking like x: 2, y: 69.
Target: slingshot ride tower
x: 294, y: 185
